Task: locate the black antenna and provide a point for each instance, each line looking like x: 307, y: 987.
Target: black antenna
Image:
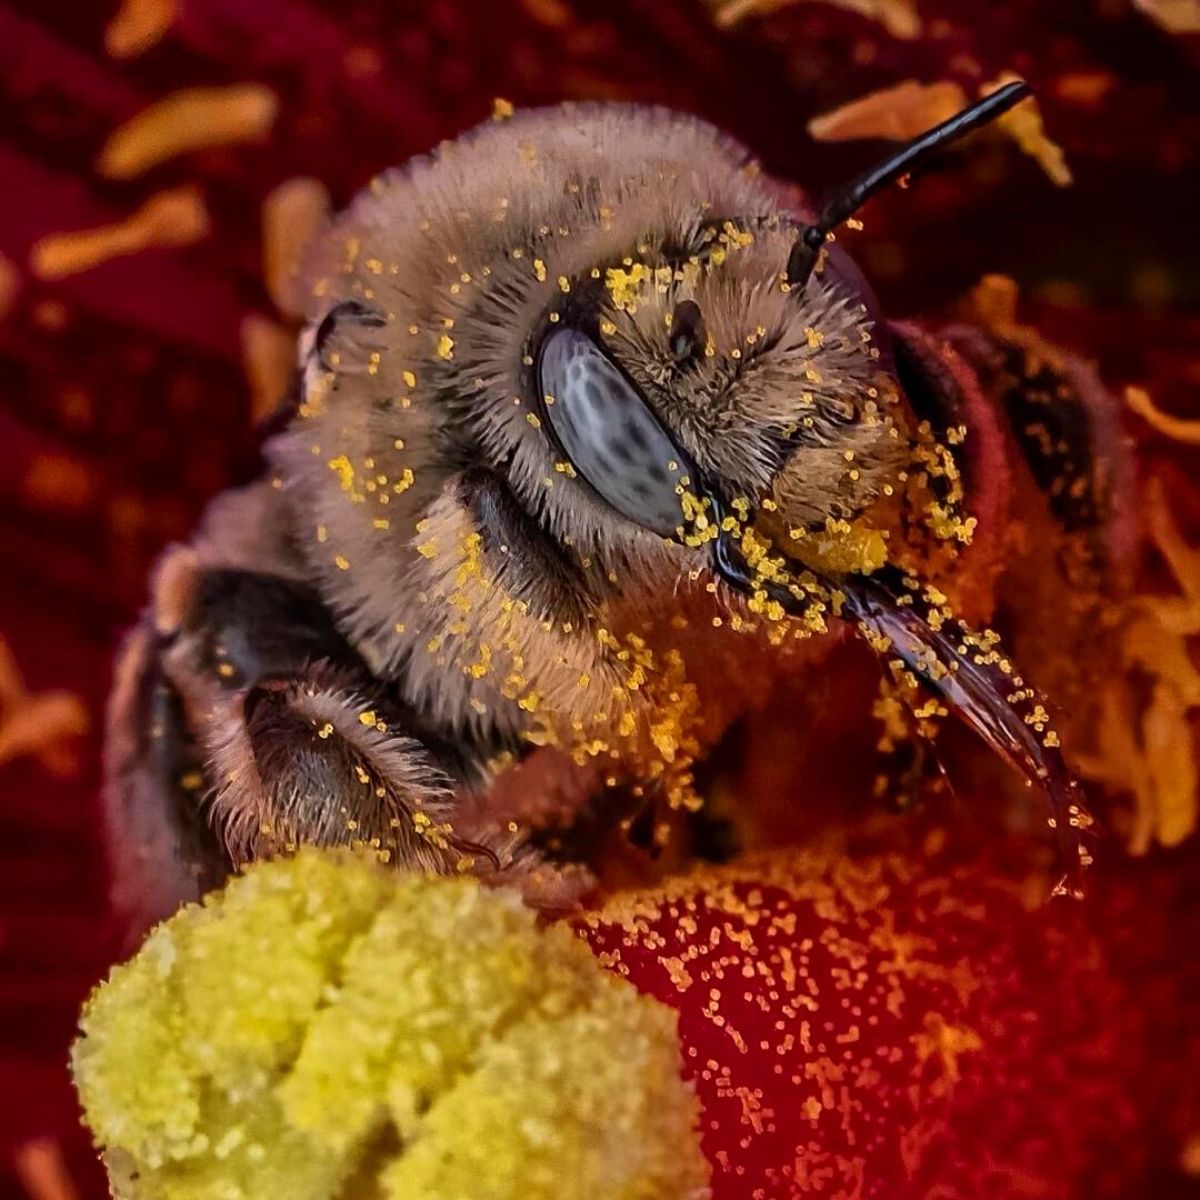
x: 846, y: 202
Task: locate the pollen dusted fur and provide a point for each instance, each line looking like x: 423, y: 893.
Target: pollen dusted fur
x: 621, y: 213
x: 423, y: 587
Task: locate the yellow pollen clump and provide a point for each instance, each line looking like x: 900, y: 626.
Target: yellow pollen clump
x: 424, y: 1012
x: 625, y: 285
x: 735, y: 238
x: 344, y: 470
x: 843, y: 547
x: 445, y: 347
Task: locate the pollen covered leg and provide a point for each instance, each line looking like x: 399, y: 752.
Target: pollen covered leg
x: 1065, y: 426
x: 243, y: 724
x: 322, y: 757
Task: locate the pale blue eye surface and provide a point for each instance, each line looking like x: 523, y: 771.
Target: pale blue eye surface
x: 609, y: 433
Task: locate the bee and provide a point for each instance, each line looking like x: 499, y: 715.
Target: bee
x: 576, y: 367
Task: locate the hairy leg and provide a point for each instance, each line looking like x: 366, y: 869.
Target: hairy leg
x: 161, y: 850
x: 242, y: 724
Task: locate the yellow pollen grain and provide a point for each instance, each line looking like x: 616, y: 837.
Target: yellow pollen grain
x: 344, y: 470
x: 624, y: 286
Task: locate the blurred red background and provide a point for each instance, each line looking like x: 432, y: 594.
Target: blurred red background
x: 128, y: 387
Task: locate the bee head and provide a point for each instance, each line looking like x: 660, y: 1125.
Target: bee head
x: 709, y: 376
x: 746, y: 365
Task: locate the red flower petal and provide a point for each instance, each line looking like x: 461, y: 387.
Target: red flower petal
x: 896, y: 1025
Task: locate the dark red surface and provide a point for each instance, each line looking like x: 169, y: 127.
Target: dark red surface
x: 128, y: 378
x: 964, y: 1042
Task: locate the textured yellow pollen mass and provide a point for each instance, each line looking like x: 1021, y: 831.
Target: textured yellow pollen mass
x: 327, y: 1029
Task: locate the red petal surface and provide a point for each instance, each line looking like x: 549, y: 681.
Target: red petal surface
x: 916, y: 1024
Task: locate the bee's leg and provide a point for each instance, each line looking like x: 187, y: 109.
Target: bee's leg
x: 1049, y: 479
x: 325, y: 755
x: 1042, y: 432
x: 1066, y: 427
x: 943, y: 389
x: 258, y: 701
x: 161, y: 849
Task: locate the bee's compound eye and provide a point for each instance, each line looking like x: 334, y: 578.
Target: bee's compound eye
x: 613, y: 439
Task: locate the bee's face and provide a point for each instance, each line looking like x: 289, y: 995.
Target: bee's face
x: 593, y: 306
x: 705, y: 366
